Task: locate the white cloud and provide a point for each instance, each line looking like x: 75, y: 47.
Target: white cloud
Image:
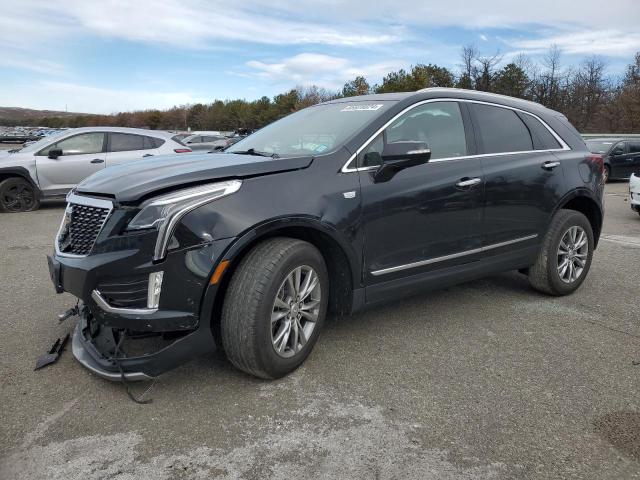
x: 313, y: 68
x: 483, y: 37
x: 596, y: 42
x: 89, y: 99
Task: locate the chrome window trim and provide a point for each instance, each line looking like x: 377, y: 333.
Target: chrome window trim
x: 73, y: 198
x: 347, y: 169
x: 104, y: 305
x: 430, y: 261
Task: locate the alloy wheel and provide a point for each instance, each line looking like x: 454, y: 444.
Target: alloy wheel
x: 18, y: 198
x: 572, y: 254
x: 295, y: 311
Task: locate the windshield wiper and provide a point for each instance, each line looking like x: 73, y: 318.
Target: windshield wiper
x: 253, y: 151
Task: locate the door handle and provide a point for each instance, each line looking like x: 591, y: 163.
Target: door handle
x: 468, y: 182
x: 550, y: 165
x: 147, y: 155
x: 97, y: 160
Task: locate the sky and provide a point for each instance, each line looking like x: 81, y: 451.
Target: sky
x: 105, y: 56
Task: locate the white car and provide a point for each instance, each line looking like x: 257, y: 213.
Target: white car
x: 634, y: 192
x: 49, y: 168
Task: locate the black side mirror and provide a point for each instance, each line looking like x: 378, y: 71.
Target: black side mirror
x: 54, y: 153
x: 397, y: 156
x: 617, y: 151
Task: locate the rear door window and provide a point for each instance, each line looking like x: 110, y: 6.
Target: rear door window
x: 152, y: 142
x: 501, y: 130
x: 125, y: 142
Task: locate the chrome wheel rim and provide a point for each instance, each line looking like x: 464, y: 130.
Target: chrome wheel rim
x: 295, y: 311
x: 572, y: 254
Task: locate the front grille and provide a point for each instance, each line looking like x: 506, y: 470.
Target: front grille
x: 129, y: 292
x: 80, y: 228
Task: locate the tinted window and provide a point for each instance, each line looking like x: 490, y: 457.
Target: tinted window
x: 634, y: 147
x: 123, y: 142
x: 501, y: 130
x: 438, y: 124
x: 152, y: 142
x: 543, y: 139
x: 211, y: 138
x: 78, y: 145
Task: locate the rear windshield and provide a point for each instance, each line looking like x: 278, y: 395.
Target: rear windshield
x: 314, y: 130
x: 598, y: 146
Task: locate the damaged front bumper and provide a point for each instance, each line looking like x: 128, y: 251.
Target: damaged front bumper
x: 105, y: 351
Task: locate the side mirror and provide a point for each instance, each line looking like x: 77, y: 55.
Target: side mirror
x: 55, y: 153
x: 397, y: 156
x: 617, y: 151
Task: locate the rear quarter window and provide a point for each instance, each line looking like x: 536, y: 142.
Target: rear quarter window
x: 542, y: 138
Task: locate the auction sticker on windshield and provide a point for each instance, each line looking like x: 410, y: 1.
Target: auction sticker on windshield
x: 357, y: 108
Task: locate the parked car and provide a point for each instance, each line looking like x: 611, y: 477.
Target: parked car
x: 634, y: 192
x: 340, y: 206
x: 50, y: 167
x: 207, y: 142
x: 621, y: 156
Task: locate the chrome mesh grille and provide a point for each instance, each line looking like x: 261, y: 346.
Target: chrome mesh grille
x: 81, y: 228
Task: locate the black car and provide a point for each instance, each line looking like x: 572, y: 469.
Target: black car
x: 337, y: 207
x: 621, y: 157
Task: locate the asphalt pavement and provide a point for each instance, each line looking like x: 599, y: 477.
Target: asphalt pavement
x: 488, y: 379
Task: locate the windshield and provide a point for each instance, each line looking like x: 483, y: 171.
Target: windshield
x: 34, y: 147
x: 314, y: 130
x: 598, y: 146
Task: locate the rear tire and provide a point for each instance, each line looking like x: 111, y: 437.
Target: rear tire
x: 565, y: 256
x: 18, y: 195
x: 260, y: 307
x: 606, y: 174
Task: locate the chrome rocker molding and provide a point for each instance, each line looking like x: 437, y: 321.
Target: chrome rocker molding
x: 348, y: 169
x: 104, y: 305
x: 450, y: 257
x: 72, y: 198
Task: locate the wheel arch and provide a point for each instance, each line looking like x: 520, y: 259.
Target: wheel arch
x: 18, y: 172
x: 582, y: 201
x: 341, y: 262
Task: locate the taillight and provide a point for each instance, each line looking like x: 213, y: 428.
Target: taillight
x: 597, y: 160
x: 182, y: 150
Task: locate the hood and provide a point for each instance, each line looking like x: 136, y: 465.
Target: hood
x: 131, y: 181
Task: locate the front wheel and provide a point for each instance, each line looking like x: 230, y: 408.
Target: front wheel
x: 565, y: 256
x: 274, y: 307
x: 18, y: 195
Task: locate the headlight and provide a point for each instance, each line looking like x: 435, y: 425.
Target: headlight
x: 165, y: 211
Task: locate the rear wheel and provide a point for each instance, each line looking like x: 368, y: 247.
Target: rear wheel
x: 606, y: 174
x: 275, y: 307
x: 565, y: 256
x: 18, y: 195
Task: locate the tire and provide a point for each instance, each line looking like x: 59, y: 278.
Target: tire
x: 18, y: 195
x: 248, y: 335
x: 544, y: 274
x: 606, y: 174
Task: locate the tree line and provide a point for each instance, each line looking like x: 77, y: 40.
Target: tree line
x: 592, y: 100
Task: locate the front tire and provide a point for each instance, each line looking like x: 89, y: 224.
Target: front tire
x: 565, y: 256
x: 274, y: 307
x: 18, y: 195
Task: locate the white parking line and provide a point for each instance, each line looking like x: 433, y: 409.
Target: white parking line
x: 622, y: 240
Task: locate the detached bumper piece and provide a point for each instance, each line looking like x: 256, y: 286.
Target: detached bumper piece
x: 54, y: 353
x: 113, y: 353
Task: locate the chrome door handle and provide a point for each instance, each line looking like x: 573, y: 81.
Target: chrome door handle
x: 550, y: 165
x: 468, y: 182
x: 97, y: 160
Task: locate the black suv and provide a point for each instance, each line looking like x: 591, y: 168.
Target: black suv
x: 334, y: 208
x: 621, y: 157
